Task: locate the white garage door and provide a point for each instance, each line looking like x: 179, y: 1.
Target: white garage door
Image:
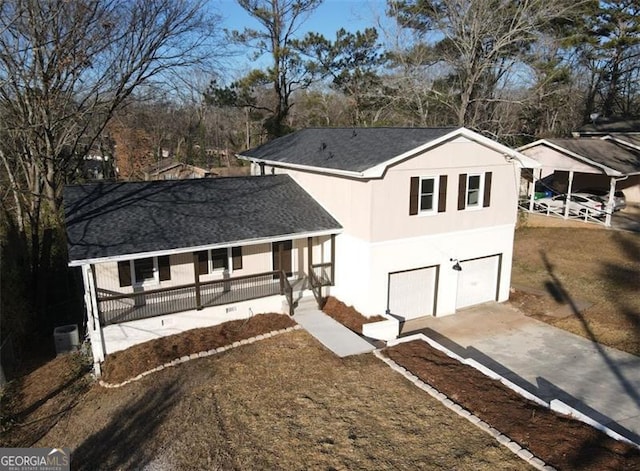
x: 478, y: 281
x: 412, y: 293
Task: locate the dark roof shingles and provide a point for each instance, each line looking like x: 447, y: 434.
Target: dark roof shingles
x: 348, y: 149
x: 605, y: 152
x: 111, y: 219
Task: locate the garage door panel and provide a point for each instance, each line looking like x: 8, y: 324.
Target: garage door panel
x: 412, y: 293
x: 477, y: 281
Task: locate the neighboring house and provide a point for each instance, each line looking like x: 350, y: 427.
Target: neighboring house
x: 161, y: 257
x: 169, y: 169
x: 428, y: 214
x: 610, y: 162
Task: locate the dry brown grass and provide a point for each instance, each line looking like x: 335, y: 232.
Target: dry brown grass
x: 281, y: 403
x: 601, y: 267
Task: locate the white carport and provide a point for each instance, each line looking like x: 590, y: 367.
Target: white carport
x: 586, y: 162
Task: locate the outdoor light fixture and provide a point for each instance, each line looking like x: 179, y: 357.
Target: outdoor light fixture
x: 456, y: 266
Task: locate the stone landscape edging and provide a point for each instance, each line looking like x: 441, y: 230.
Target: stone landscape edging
x: 555, y: 405
x: 203, y: 354
x: 513, y: 446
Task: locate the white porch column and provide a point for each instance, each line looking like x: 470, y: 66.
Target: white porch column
x: 612, y: 191
x: 568, y: 200
x: 94, y: 329
x: 532, y: 197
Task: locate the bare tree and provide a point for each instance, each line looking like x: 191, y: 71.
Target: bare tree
x: 65, y: 68
x: 479, y: 42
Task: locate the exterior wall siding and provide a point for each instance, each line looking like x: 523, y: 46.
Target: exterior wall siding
x: 348, y: 200
x: 362, y: 269
x: 390, y: 202
x: 255, y: 259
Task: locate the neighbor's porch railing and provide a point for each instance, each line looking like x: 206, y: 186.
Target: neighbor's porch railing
x: 117, y: 307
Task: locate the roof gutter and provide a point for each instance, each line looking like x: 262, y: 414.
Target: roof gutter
x: 308, y: 168
x: 239, y: 243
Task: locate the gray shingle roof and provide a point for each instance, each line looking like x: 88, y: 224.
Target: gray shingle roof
x: 605, y: 152
x: 112, y: 219
x: 350, y: 149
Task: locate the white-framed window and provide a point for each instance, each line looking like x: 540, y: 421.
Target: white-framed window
x: 144, y: 271
x: 427, y: 195
x: 474, y: 190
x: 219, y: 260
x: 428, y: 199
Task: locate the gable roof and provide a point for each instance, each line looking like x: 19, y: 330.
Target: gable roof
x: 118, y: 220
x: 611, y: 125
x: 613, y: 158
x: 359, y: 152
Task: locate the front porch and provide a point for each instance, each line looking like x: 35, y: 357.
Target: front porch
x: 210, y: 287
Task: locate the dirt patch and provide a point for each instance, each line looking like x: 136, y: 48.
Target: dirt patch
x: 561, y: 442
x: 129, y: 363
x: 280, y: 403
x: 601, y: 268
x: 33, y: 404
x: 347, y: 315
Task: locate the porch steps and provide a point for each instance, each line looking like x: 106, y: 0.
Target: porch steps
x: 330, y: 333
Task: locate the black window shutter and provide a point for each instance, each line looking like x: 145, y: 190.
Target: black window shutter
x: 203, y: 262
x: 124, y: 273
x: 413, y: 196
x: 442, y: 194
x: 486, y: 201
x: 236, y: 255
x: 462, y: 191
x: 164, y: 267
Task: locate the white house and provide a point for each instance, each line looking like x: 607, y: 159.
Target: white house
x: 405, y: 221
x: 428, y: 214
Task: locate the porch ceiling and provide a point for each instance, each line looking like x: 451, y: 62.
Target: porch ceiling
x: 116, y: 220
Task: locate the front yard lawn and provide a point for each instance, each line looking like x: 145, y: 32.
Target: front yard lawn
x: 596, y: 268
x: 280, y: 403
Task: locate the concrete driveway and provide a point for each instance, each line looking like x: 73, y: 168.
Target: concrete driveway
x: 600, y: 381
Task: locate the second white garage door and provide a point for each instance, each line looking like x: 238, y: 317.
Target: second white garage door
x: 478, y: 281
x: 412, y: 293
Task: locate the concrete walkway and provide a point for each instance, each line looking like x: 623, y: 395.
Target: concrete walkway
x: 333, y: 335
x: 553, y: 364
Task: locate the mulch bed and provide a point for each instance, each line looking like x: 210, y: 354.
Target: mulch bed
x: 129, y: 363
x: 347, y: 315
x: 561, y: 442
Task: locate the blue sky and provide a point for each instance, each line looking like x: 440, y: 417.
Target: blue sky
x: 329, y: 17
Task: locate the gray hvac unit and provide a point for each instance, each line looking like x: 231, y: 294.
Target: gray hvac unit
x: 66, y: 338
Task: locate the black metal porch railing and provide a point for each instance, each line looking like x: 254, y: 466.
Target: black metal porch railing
x: 115, y: 308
